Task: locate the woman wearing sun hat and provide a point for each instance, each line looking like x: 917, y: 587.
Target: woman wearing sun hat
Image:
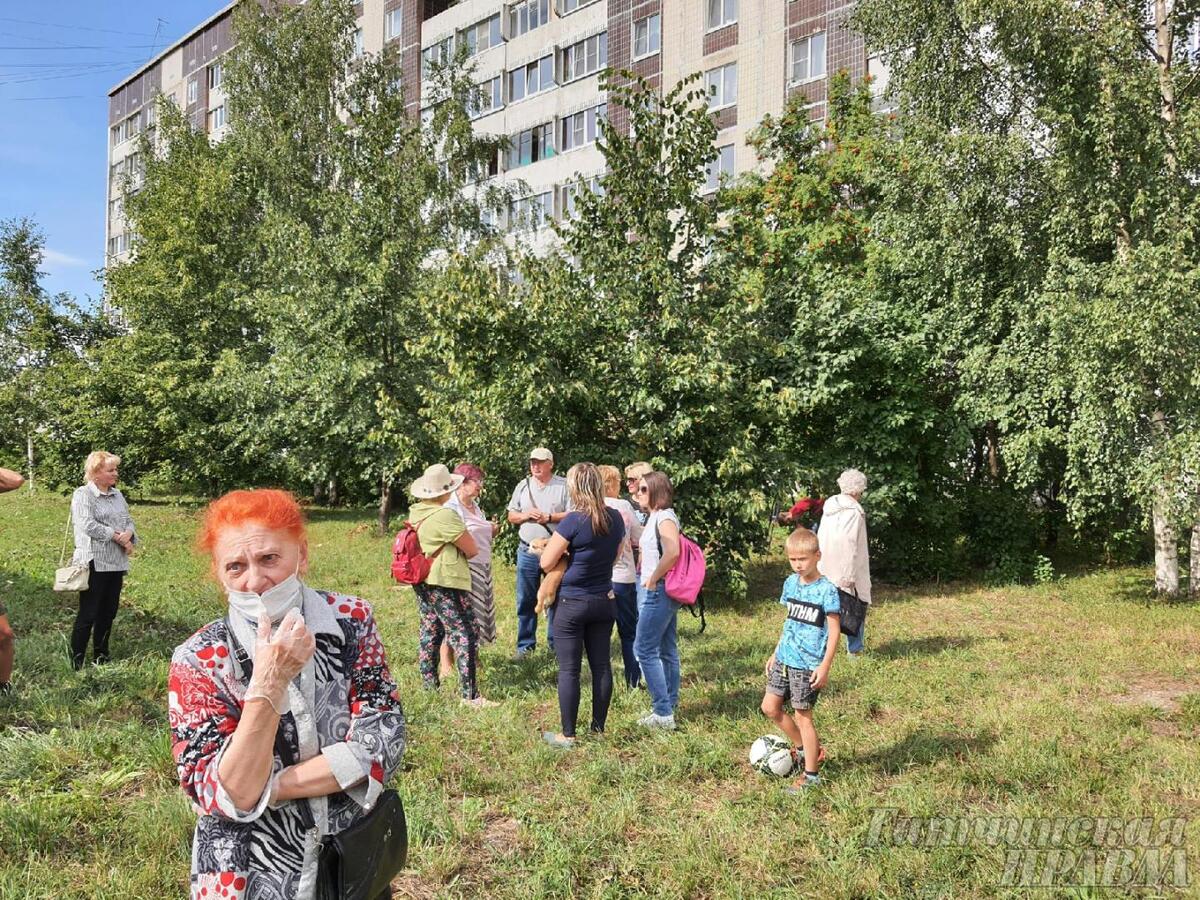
x: 444, y: 597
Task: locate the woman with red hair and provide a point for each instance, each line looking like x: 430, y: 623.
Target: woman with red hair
x: 285, y: 721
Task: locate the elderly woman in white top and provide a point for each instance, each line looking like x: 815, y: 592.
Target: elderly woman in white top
x: 842, y: 535
x: 104, y: 538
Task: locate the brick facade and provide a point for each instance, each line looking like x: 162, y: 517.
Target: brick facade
x: 844, y: 49
x: 621, y: 16
x: 720, y: 39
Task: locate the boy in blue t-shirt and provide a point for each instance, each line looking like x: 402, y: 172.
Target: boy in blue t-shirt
x: 799, y: 666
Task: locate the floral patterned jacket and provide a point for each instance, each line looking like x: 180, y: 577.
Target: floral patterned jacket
x: 344, y: 705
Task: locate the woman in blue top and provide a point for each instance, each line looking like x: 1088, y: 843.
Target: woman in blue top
x: 592, y: 534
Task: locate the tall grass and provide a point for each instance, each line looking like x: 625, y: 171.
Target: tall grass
x: 1078, y: 698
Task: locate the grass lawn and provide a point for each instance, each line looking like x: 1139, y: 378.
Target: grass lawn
x: 1076, y: 699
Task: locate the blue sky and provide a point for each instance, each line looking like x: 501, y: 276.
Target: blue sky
x: 54, y: 115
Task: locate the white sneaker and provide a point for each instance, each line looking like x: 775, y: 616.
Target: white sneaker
x: 667, y: 723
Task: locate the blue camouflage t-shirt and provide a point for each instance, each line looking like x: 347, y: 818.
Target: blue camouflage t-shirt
x: 806, y: 631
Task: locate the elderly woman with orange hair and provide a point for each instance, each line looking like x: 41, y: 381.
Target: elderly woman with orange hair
x: 285, y: 721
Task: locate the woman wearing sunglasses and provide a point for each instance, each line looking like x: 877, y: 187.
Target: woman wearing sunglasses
x: 654, y: 643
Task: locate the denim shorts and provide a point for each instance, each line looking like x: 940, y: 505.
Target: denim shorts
x: 792, y: 684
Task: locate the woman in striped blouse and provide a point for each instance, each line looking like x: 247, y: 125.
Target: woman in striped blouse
x: 104, y: 538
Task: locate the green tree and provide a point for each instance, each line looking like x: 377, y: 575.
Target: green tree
x: 618, y: 344
x: 1100, y: 98
x: 279, y: 273
x: 42, y: 339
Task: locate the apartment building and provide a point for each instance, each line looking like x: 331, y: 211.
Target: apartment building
x: 538, y: 65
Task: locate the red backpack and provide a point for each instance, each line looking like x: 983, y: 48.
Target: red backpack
x: 410, y: 565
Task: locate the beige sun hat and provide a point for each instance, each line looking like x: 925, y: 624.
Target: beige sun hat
x: 436, y: 481
x: 541, y: 453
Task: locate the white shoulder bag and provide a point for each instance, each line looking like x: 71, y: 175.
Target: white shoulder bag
x: 69, y: 578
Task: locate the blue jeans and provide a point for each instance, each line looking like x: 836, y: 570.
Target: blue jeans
x: 656, y: 649
x: 855, y: 644
x: 627, y: 619
x: 529, y: 576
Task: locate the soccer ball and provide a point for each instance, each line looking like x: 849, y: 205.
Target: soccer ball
x: 772, y: 755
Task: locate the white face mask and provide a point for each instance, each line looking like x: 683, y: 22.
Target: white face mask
x: 275, y: 601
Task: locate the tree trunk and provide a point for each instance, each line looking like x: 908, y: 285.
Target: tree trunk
x: 1166, y: 537
x: 385, y: 504
x: 29, y: 457
x: 1166, y: 549
x: 318, y: 494
x: 334, y: 492
x: 993, y: 450
x: 1194, y: 564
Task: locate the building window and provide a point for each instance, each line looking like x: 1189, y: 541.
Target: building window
x: 487, y: 97
x: 582, y: 128
x: 569, y: 6
x: 118, y: 244
x: 527, y: 15
x: 524, y: 81
x: 131, y: 166
x: 482, y: 35
x: 808, y: 58
x: 531, y: 213
x: 569, y: 195
x: 721, y: 13
x: 531, y: 145
x: 721, y: 166
x: 359, y: 47
x: 193, y: 90
x: 120, y: 132
x: 491, y: 219
x: 216, y: 117
x: 647, y: 36
x: 721, y: 84
x: 588, y: 56
x: 392, y: 24
x: 437, y: 56
x: 483, y: 169
x: 215, y: 76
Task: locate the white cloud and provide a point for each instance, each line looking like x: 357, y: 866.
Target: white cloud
x: 63, y: 260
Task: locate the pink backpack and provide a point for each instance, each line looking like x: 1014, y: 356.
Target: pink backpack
x: 684, y: 583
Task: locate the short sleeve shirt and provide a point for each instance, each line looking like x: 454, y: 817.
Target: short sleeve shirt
x: 624, y: 569
x: 648, y: 545
x: 806, y: 630
x: 478, y: 525
x: 590, y: 565
x: 531, y: 493
x: 443, y: 528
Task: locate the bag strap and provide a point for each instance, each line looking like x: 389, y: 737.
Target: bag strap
x: 62, y: 554
x: 282, y: 748
x: 697, y: 609
x: 417, y: 531
x: 533, y: 502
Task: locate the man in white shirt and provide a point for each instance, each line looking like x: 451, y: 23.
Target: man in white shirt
x: 538, y: 504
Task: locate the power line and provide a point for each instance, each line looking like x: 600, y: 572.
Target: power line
x: 76, y: 27
x: 37, y: 79
x: 84, y: 47
x: 88, y: 97
x: 66, y: 64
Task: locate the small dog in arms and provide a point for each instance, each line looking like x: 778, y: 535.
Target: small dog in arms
x: 548, y: 591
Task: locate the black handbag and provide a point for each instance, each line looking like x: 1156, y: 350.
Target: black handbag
x: 854, y: 612
x: 360, y: 862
